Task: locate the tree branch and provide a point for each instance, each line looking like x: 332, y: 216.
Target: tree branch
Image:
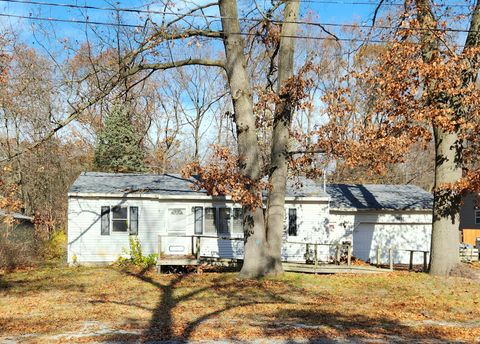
x: 199, y: 8
x: 180, y: 63
x: 312, y: 151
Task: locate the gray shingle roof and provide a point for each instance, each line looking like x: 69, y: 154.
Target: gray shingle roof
x: 379, y: 196
x: 343, y: 196
x: 17, y: 216
x: 164, y: 184
x: 125, y: 183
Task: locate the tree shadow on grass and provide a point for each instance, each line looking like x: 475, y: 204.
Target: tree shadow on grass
x: 4, y: 285
x: 312, y: 325
x: 288, y: 321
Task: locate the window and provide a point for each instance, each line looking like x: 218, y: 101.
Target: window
x: 198, y: 213
x: 210, y: 221
x: 237, y: 221
x: 292, y: 222
x: 477, y: 217
x: 224, y: 217
x: 119, y: 219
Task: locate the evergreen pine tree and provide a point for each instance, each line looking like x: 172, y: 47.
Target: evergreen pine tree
x: 118, y: 145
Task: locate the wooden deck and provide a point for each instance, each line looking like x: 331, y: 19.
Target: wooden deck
x: 177, y: 260
x: 311, y: 256
x: 332, y: 268
x: 291, y: 267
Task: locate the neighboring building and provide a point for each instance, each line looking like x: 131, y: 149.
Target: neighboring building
x: 470, y: 219
x: 17, y: 239
x: 104, y: 209
x: 22, y: 228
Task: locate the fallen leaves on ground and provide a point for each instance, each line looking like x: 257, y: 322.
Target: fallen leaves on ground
x: 52, y: 301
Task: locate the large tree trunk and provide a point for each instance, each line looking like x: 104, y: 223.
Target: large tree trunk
x: 253, y: 222
x: 444, y: 245
x: 445, y: 239
x: 280, y: 138
x: 448, y: 151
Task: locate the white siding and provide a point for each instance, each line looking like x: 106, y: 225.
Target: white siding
x: 85, y: 240
x: 312, y: 221
x: 221, y: 248
x: 315, y: 224
x: 397, y: 230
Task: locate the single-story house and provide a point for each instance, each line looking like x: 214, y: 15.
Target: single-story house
x: 104, y: 209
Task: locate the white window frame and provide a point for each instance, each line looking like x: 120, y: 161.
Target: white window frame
x: 112, y: 220
x: 127, y: 232
x: 476, y: 214
x: 288, y: 221
x: 231, y: 222
x: 195, y: 219
x: 217, y: 220
x: 220, y: 221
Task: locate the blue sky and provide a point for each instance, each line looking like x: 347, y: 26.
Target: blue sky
x: 341, y: 12
x: 336, y: 13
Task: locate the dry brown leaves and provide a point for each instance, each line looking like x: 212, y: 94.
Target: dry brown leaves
x: 218, y: 306
x: 221, y: 176
x: 392, y: 97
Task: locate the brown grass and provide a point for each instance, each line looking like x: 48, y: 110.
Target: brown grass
x: 51, y: 301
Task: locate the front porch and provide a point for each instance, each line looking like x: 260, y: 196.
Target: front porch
x: 339, y: 262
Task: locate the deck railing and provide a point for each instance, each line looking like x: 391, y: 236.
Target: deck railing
x: 343, y: 252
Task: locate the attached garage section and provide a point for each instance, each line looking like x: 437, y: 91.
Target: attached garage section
x: 383, y: 216
x: 400, y: 237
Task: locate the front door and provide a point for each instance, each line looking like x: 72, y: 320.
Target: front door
x: 177, y: 242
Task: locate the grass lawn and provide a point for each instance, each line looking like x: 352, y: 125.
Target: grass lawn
x: 96, y: 304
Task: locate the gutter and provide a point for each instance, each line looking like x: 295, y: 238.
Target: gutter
x: 182, y: 197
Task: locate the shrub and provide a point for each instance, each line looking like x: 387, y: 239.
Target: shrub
x: 55, y: 247
x: 136, y: 257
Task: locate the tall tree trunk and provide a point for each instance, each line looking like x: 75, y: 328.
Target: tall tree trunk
x: 196, y: 137
x: 444, y: 245
x: 445, y: 239
x: 280, y: 138
x: 448, y: 152
x: 248, y: 150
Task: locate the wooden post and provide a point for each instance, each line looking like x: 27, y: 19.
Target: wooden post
x: 425, y: 264
x: 349, y: 255
x: 316, y: 257
x: 307, y: 253
x: 410, y: 267
x: 197, y: 248
x: 337, y: 256
x: 378, y: 256
x: 192, y: 251
x: 390, y: 258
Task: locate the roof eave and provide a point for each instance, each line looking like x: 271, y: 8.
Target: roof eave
x: 181, y: 197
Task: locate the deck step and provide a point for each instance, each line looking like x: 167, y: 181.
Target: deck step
x: 177, y: 260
